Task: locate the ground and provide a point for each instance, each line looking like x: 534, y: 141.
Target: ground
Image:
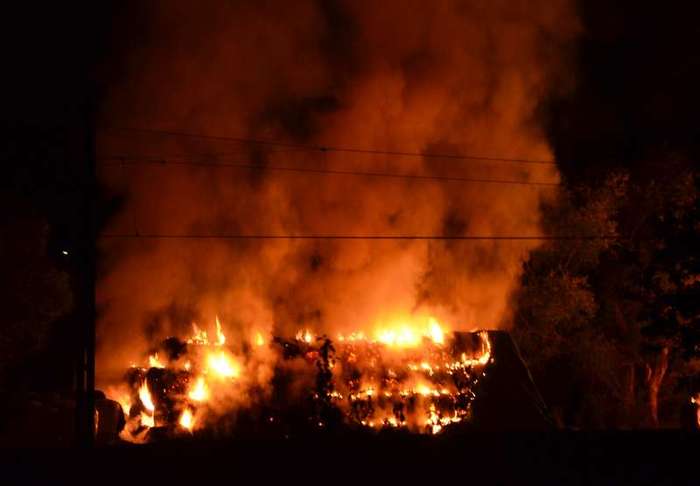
x: 538, y: 458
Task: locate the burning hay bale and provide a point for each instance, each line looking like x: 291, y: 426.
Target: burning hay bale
x: 418, y: 382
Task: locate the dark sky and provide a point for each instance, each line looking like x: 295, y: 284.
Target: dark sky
x: 637, y: 99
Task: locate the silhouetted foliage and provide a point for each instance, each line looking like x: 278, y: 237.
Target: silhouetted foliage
x: 609, y: 327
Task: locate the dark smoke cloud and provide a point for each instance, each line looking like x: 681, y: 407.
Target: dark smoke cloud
x: 442, y: 76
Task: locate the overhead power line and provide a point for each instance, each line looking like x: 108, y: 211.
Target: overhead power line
x: 355, y: 237
x: 327, y: 148
x: 138, y: 160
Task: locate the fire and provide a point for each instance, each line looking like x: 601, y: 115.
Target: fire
x: 259, y: 340
x: 220, y: 364
x: 485, y: 355
x: 403, y: 336
x: 435, y: 331
x: 220, y: 338
x: 199, y: 336
x: 200, y: 391
x: 187, y: 419
x: 406, y: 372
x: 402, y: 332
x: 154, y: 362
x: 147, y: 420
x: 304, y: 335
x: 119, y: 395
x: 399, y: 332
x: 148, y: 417
x: 145, y: 397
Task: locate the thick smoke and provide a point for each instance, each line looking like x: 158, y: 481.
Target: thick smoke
x: 404, y: 75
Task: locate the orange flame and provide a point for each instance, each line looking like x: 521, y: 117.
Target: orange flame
x: 199, y: 336
x: 145, y: 397
x: 304, y: 335
x: 199, y: 391
x: 220, y: 338
x: 220, y: 364
x: 259, y: 340
x: 154, y: 362
x: 187, y: 419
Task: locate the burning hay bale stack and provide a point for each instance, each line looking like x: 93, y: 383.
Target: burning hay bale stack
x: 375, y: 385
x: 395, y: 380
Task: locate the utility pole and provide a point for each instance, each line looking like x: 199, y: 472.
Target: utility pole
x: 87, y: 256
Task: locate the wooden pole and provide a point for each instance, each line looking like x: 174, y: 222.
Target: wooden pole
x: 85, y: 382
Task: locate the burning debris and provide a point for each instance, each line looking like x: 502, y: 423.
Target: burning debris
x: 418, y: 379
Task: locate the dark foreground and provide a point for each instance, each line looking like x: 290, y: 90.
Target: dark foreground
x: 493, y: 458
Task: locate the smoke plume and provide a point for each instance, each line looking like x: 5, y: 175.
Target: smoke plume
x: 410, y: 76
